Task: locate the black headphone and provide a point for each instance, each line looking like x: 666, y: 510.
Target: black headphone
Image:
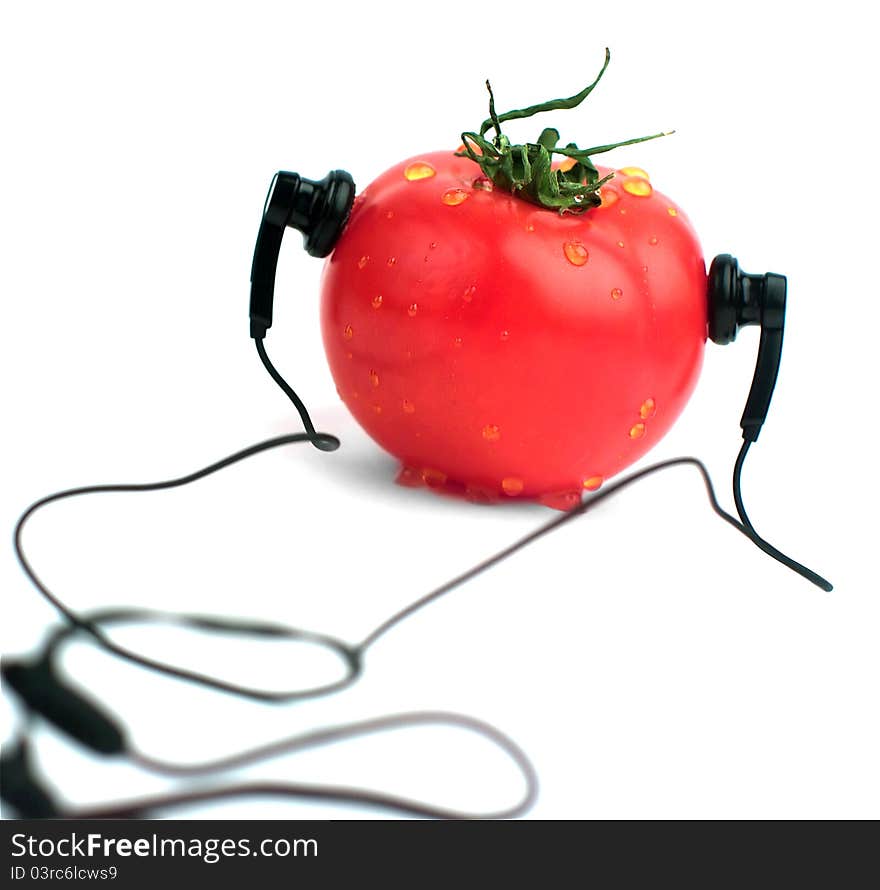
x: 320, y: 211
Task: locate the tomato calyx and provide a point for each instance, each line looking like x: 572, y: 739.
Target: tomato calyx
x: 527, y: 172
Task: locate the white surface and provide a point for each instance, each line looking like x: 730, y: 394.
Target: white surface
x: 650, y: 661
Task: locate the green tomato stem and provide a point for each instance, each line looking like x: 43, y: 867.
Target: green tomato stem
x: 526, y: 171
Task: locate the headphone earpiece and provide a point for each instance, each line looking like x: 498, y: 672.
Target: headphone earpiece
x: 737, y: 299
x: 319, y: 210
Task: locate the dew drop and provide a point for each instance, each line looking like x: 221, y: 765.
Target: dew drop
x: 530, y: 227
x: 672, y: 211
x: 616, y: 293
x: 392, y: 261
x: 377, y: 301
x: 637, y: 431
x: 377, y: 408
x: 491, y: 432
x: 634, y: 171
x: 591, y: 483
x: 635, y: 185
x: 477, y: 495
x: 348, y: 332
x: 408, y: 407
x: 419, y: 170
x: 561, y: 500
x: 409, y: 478
x: 412, y: 309
x: 621, y: 244
x: 653, y: 241
x: 433, y: 478
x: 648, y: 409
x: 457, y: 342
x: 433, y: 245
x: 452, y: 197
x: 469, y: 292
x: 483, y: 183
x: 389, y: 214
x: 575, y: 253
x: 505, y: 335
x: 363, y: 261
x: 374, y: 378
x: 609, y: 196
x: 512, y: 486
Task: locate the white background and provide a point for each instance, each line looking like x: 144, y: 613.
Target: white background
x: 648, y: 658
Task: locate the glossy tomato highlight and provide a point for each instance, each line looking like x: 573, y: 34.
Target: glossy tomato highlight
x: 506, y: 348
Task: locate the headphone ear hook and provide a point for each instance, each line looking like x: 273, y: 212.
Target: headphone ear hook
x: 319, y: 209
x: 737, y: 299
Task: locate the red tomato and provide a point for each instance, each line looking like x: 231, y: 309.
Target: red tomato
x: 503, y: 348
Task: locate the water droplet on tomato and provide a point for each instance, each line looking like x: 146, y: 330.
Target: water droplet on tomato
x: 363, y: 261
x: 672, y: 211
x: 377, y: 407
x: 409, y: 478
x: 469, y: 292
x: 634, y: 171
x: 616, y: 293
x: 377, y: 301
x: 530, y: 227
x: 433, y: 478
x: 484, y: 184
x: 591, y: 483
x: 635, y: 185
x: 621, y: 244
x: 392, y: 261
x: 348, y: 332
x: 637, y: 431
x: 374, y: 378
x: 575, y: 253
x: 412, y: 309
x: 648, y: 409
x: 561, y: 500
x: 609, y: 196
x: 505, y: 335
x: 477, y: 495
x: 419, y: 170
x: 433, y: 245
x: 389, y: 214
x: 512, y: 486
x: 457, y: 342
x: 408, y: 407
x: 653, y: 241
x: 452, y: 197
x: 491, y: 432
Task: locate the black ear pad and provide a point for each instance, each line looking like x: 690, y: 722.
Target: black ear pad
x: 332, y: 201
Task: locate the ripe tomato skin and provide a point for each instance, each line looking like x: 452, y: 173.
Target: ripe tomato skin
x: 505, y: 347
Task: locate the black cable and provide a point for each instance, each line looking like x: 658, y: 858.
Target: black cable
x: 321, y: 441
x: 756, y: 539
